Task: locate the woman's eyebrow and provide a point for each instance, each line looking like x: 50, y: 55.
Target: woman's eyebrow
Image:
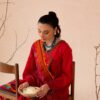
x: 46, y: 31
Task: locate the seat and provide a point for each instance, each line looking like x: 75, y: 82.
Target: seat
x: 71, y: 95
x: 14, y: 70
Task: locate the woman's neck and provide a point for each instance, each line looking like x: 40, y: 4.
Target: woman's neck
x: 49, y: 43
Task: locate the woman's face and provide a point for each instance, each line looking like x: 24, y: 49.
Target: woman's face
x: 46, y: 32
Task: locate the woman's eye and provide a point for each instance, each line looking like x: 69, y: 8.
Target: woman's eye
x: 46, y: 33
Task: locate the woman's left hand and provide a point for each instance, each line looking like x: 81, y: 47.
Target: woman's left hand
x: 43, y: 90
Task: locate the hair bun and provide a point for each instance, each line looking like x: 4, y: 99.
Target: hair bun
x: 51, y: 13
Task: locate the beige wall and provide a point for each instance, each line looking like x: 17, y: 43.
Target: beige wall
x: 80, y: 23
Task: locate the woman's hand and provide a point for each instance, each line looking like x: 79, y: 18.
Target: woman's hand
x: 23, y: 85
x: 43, y: 90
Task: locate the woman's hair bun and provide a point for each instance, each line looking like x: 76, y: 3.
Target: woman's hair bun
x: 53, y: 14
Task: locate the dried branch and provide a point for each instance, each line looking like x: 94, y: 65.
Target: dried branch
x: 98, y: 91
x: 6, y: 3
x: 5, y: 18
x: 17, y: 47
x: 2, y: 30
x: 96, y: 75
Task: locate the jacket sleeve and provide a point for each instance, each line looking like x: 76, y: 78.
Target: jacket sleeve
x: 65, y: 78
x: 28, y: 74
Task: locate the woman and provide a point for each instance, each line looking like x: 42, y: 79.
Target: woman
x: 49, y: 65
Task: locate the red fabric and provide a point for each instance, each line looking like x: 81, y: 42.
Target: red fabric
x: 61, y: 68
x: 1, y: 98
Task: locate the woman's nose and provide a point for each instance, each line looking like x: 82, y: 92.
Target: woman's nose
x: 42, y: 35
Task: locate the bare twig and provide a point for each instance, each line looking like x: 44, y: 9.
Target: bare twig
x: 4, y: 21
x: 2, y: 3
x: 2, y: 30
x: 17, y: 47
x: 96, y: 75
x: 98, y: 91
x: 2, y: 27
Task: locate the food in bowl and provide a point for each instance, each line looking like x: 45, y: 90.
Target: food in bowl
x: 30, y: 90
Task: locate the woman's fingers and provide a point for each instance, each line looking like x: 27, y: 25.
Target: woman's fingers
x: 40, y: 94
x: 23, y: 85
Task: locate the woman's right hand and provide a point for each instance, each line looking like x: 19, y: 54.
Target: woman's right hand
x: 23, y: 85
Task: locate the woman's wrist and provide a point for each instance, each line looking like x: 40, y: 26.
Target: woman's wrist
x: 48, y: 88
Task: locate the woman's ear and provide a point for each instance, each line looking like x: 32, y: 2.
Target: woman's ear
x: 55, y: 31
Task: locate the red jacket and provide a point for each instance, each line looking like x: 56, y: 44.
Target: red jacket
x: 60, y: 67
